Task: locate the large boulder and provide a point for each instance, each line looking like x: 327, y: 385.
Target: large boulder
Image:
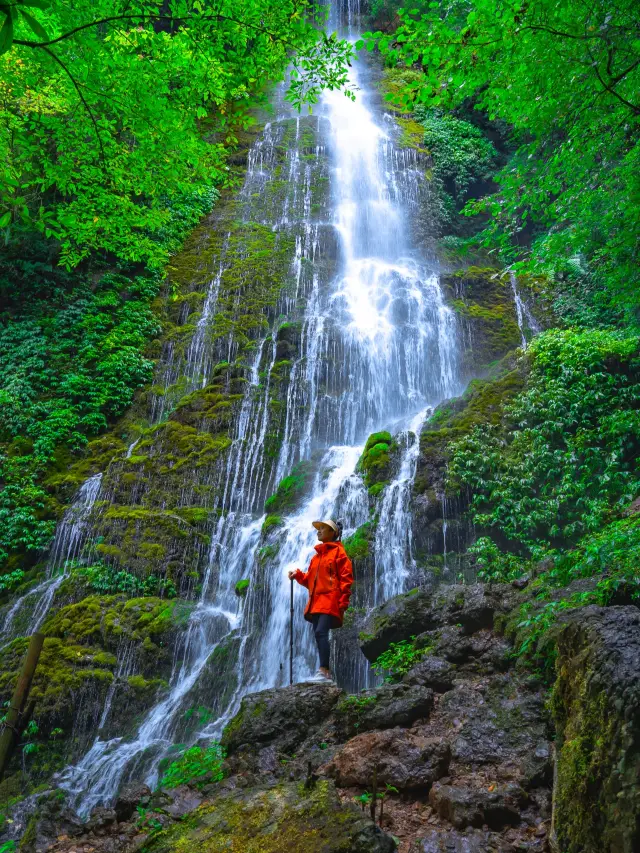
x: 502, y: 724
x: 470, y: 607
x: 399, y: 757
x: 388, y: 706
x: 596, y: 705
x: 433, y: 672
x: 284, y: 817
x: 463, y: 805
x: 280, y: 717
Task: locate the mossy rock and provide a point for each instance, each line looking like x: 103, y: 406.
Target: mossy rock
x: 291, y: 490
x: 483, y: 300
x: 358, y: 545
x: 483, y: 402
x: 286, y: 817
x: 375, y: 462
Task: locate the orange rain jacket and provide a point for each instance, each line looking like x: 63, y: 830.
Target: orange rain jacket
x: 328, y: 579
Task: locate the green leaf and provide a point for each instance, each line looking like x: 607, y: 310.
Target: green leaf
x: 6, y: 219
x: 6, y: 35
x: 36, y: 26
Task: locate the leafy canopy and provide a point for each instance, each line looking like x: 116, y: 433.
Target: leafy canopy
x: 110, y: 110
x: 565, y: 76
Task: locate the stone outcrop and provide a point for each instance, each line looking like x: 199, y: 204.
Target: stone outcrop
x: 469, y: 608
x: 596, y: 705
x: 399, y: 757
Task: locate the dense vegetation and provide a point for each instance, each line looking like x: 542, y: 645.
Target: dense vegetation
x: 561, y: 80
x: 116, y: 121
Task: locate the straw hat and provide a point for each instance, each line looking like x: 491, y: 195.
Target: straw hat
x: 328, y: 523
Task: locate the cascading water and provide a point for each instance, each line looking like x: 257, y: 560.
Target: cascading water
x: 377, y: 350
x: 71, y: 536
x: 526, y: 321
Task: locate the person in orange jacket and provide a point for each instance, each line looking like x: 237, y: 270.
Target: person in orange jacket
x: 328, y: 579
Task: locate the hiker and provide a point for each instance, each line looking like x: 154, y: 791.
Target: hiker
x: 328, y: 579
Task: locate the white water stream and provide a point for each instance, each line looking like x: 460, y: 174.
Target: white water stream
x: 378, y: 349
x: 70, y: 538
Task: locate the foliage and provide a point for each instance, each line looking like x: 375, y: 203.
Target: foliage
x: 570, y: 454
x: 155, y: 94
x: 461, y: 153
x: 399, y: 658
x: 358, y: 544
x: 108, y: 581
x: 565, y: 77
x: 270, y: 522
x: 196, y: 766
x: 115, y: 126
x: 611, y: 556
x: 11, y: 580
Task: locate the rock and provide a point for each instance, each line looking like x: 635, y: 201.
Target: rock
x: 471, y: 607
x: 280, y: 716
x: 504, y: 724
x: 454, y: 645
x: 404, y: 759
x: 437, y: 841
x: 129, y: 798
x: 475, y: 805
x: 100, y: 818
x: 433, y: 672
x: 387, y: 706
x: 283, y: 817
x: 596, y: 706
x: 182, y: 800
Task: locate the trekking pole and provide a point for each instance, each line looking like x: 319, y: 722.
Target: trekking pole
x: 291, y: 637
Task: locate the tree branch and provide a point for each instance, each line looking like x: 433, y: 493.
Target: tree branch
x: 85, y: 104
x: 143, y: 17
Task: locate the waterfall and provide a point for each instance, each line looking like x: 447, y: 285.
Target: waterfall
x: 526, y: 320
x: 71, y: 536
x: 377, y: 350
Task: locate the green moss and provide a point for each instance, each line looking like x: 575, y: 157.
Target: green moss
x: 358, y: 544
x: 241, y: 587
x: 412, y: 135
x: 375, y: 462
x: 284, y: 817
x: 291, y: 490
x: 145, y: 685
x: 377, y: 488
x: 483, y: 300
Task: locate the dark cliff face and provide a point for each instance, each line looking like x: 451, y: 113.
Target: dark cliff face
x: 596, y: 708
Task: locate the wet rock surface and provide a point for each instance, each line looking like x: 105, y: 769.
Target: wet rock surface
x: 470, y: 608
x: 282, y: 716
x: 596, y: 706
x: 399, y: 757
x: 459, y: 754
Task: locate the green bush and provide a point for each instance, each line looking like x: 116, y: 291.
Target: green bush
x: 107, y: 581
x: 399, y: 658
x: 461, y: 153
x: 568, y: 457
x: 196, y: 766
x: 270, y: 522
x: 357, y: 545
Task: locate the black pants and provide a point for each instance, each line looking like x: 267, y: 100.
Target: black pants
x: 321, y: 623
